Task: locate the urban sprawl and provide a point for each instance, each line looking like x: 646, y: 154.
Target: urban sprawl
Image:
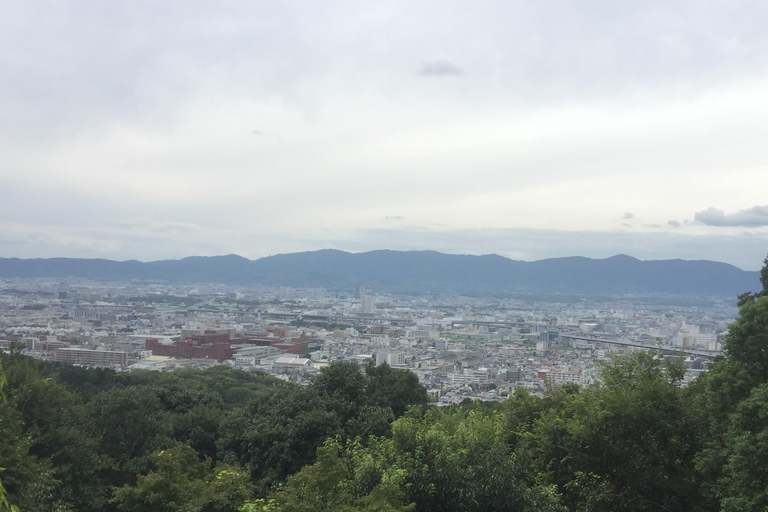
x: 460, y: 347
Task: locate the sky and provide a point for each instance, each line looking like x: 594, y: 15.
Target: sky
x: 158, y: 130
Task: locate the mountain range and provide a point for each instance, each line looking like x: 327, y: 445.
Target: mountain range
x: 414, y: 271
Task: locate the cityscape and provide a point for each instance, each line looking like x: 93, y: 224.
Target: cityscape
x: 384, y: 256
x: 460, y: 347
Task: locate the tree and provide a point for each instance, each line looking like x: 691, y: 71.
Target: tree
x: 27, y: 483
x: 731, y: 402
x: 747, y: 339
x: 625, y: 445
x: 396, y: 389
x: 743, y: 487
x: 342, y: 386
x: 328, y: 485
x: 5, y: 506
x: 181, y: 482
x: 54, y: 420
x: 436, y: 460
x: 129, y: 424
x: 447, y: 460
x: 277, y: 434
x: 195, y: 416
x: 521, y: 410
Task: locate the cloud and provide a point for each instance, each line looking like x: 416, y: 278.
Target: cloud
x: 626, y: 225
x: 77, y: 243
x: 628, y: 215
x: 673, y: 223
x: 651, y: 225
x: 440, y: 68
x: 751, y: 217
x: 147, y: 225
x: 112, y: 114
x: 393, y: 217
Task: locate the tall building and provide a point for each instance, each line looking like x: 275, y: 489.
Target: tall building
x: 368, y: 307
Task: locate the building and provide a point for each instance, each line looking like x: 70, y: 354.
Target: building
x: 368, y: 307
x: 89, y: 357
x: 296, y: 363
x: 299, y: 346
x: 566, y: 375
x: 391, y: 358
x: 209, y: 344
x: 192, y: 349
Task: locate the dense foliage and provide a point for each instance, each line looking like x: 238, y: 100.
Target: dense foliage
x: 91, y: 439
x: 365, y: 439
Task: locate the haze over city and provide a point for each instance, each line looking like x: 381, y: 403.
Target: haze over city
x: 530, y: 130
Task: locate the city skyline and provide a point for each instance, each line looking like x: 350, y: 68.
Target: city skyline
x: 155, y: 132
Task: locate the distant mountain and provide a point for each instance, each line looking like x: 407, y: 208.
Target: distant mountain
x: 414, y: 271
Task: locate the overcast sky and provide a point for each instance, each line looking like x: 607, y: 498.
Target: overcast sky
x: 154, y: 130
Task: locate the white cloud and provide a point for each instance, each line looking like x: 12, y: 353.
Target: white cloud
x: 137, y: 135
x: 751, y: 217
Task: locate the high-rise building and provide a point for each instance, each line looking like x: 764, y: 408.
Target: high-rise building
x: 368, y: 307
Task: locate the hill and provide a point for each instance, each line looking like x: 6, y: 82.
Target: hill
x: 414, y: 271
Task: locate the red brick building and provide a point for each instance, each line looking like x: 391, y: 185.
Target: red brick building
x: 299, y: 346
x: 197, y: 346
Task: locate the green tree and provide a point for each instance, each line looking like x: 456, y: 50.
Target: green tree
x: 522, y: 409
x: 747, y: 339
x: 328, y: 485
x: 721, y: 399
x: 445, y: 460
x: 713, y: 399
x: 277, y: 434
x: 5, y: 506
x: 625, y: 445
x: 435, y: 461
x: 743, y: 486
x: 343, y: 387
x: 54, y: 420
x: 195, y: 416
x: 181, y: 482
x: 396, y: 389
x: 235, y: 388
x: 27, y: 484
x: 129, y: 424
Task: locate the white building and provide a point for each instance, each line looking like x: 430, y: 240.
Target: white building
x: 91, y: 357
x: 368, y: 306
x: 392, y: 358
x: 298, y: 363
